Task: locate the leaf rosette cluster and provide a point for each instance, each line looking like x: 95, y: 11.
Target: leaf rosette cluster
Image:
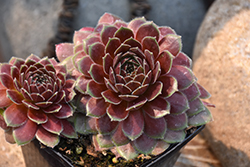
x: 138, y: 92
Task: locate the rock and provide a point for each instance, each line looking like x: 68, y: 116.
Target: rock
x: 28, y: 25
x: 10, y: 154
x: 222, y: 65
x: 183, y: 16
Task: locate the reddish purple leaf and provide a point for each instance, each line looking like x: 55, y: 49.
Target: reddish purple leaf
x: 144, y: 144
x: 5, y: 101
x: 178, y: 102
x: 127, y: 151
x: 123, y: 89
x: 36, y: 97
x: 107, y: 63
x: 15, y: 61
x: 15, y: 115
x: 110, y: 86
x: 170, y: 85
x: 204, y: 93
x: 140, y: 90
x: 154, y: 91
x: 37, y: 116
x: 118, y: 137
x: 192, y: 92
x: 184, y: 76
x: 93, y: 38
x: 111, y: 97
x: 171, y: 43
x: 81, y: 84
x: 196, y: 106
x: 150, y: 59
x: 124, y: 33
x: 29, y: 104
x: 104, y: 125
x: 165, y: 59
x: 177, y: 122
x: 112, y: 45
x: 96, y: 52
x: 121, y: 49
x: 174, y: 136
x: 6, y: 68
x: 132, y: 85
x: 108, y: 32
x: 65, y: 111
x: 94, y: 89
x: 47, y: 138
x: 79, y: 36
x: 136, y: 104
x: 53, y: 108
x: 182, y: 59
x: 136, y: 23
x: 25, y: 133
x: 155, y: 127
x: 53, y: 125
x: 156, y: 72
x: 47, y: 94
x: 164, y: 30
x: 40, y: 104
x: 68, y: 130
x: 120, y: 23
x: 133, y: 43
x: 150, y: 44
x: 84, y: 65
x: 134, y: 124
x: 96, y: 107
x: 147, y: 29
x: 7, y: 81
x: 108, y: 18
x: 201, y: 118
x: 128, y: 98
x: 157, y: 108
x: 97, y: 73
x: 15, y: 73
x: 118, y: 112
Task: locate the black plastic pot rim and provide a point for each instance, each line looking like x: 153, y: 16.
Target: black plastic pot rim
x: 169, y: 153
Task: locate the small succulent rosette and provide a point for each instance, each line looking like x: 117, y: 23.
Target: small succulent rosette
x: 141, y: 92
x: 34, y: 100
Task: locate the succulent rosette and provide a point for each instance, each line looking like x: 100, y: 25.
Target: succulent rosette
x: 34, y: 100
x: 142, y: 93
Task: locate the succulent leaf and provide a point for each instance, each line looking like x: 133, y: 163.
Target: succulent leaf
x: 47, y: 138
x: 29, y: 128
x: 15, y: 115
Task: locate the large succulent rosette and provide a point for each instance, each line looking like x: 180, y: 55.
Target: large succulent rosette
x: 142, y: 92
x: 34, y: 100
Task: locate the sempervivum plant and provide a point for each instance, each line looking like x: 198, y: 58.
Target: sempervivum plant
x: 142, y: 94
x: 34, y: 100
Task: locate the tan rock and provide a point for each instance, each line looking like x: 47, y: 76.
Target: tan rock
x: 10, y: 154
x: 222, y: 64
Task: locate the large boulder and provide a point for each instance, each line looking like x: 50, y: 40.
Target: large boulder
x: 222, y: 64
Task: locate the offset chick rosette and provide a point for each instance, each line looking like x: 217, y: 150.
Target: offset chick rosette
x: 35, y: 95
